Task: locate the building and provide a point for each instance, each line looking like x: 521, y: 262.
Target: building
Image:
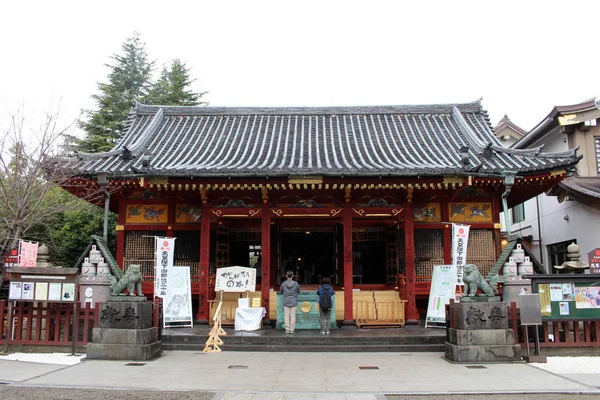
x: 508, y: 132
x: 570, y: 212
x: 313, y: 190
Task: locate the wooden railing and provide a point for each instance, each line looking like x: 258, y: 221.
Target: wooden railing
x: 552, y: 333
x: 51, y: 324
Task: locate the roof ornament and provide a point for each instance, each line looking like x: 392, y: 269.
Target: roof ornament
x: 488, y: 151
x: 126, y: 154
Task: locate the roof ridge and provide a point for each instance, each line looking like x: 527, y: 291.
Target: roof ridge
x: 472, y: 107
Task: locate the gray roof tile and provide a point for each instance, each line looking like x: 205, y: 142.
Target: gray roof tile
x: 328, y: 141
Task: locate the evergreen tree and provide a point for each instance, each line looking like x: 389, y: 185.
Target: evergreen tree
x: 128, y: 81
x: 171, y: 89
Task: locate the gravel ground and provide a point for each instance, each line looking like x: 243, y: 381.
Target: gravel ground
x: 38, y: 393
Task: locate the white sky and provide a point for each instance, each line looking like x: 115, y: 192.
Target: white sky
x: 523, y: 57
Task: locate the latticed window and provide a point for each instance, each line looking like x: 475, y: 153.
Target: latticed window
x: 139, y: 249
x: 481, y: 250
x: 429, y: 251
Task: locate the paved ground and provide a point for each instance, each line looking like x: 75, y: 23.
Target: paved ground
x: 315, y: 376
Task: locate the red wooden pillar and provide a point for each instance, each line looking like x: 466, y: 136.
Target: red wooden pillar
x: 265, y: 249
x: 204, y: 268
x: 121, y: 233
x: 412, y: 315
x: 347, y: 232
x: 447, y: 233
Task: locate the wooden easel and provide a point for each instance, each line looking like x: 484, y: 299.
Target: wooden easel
x: 213, y: 342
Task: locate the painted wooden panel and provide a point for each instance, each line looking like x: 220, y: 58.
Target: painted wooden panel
x: 147, y: 214
x: 186, y: 214
x: 430, y: 212
x: 470, y: 212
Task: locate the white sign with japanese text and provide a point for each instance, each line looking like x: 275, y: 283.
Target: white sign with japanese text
x: 165, y: 252
x: 236, y: 279
x: 460, y: 238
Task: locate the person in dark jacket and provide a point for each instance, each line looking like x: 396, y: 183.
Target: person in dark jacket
x: 325, y: 315
x: 289, y: 291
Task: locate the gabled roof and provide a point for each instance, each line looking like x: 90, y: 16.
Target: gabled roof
x: 505, y: 122
x: 545, y: 126
x: 413, y: 140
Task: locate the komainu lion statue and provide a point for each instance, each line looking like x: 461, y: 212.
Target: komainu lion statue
x: 473, y: 281
x: 132, y: 279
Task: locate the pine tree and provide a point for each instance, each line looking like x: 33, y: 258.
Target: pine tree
x: 171, y: 89
x: 128, y: 81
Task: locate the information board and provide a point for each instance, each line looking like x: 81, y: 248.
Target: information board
x: 567, y: 300
x: 443, y: 286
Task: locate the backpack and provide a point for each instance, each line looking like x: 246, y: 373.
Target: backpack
x: 325, y: 299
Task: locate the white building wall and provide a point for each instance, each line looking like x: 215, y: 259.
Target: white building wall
x: 559, y: 222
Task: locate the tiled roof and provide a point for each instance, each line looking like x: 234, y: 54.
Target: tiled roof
x: 454, y: 139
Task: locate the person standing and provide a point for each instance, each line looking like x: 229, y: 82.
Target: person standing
x: 325, y: 292
x: 289, y: 291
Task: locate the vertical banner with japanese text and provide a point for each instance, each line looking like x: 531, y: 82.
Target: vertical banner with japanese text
x: 178, y: 301
x: 460, y: 238
x: 165, y: 252
x: 27, y: 253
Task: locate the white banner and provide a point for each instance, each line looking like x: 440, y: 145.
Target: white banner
x: 460, y: 238
x: 165, y: 251
x: 236, y: 279
x: 443, y: 285
x: 177, y: 304
x: 27, y: 253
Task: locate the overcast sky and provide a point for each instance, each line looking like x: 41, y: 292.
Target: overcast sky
x: 521, y: 57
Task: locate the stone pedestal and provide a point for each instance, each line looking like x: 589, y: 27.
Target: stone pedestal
x: 481, y: 334
x: 125, y: 332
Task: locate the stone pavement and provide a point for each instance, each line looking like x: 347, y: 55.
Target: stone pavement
x: 297, y: 375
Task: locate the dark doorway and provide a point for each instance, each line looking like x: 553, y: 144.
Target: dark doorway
x: 308, y: 254
x: 369, y: 261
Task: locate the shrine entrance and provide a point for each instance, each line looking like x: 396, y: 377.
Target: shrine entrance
x: 311, y: 254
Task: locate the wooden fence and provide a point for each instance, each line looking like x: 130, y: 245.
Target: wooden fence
x: 51, y: 324
x: 552, y: 333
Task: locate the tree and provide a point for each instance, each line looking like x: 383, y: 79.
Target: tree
x: 32, y: 167
x: 129, y: 81
x: 172, y: 88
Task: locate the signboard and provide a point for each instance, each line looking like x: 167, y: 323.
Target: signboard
x: 42, y: 284
x: 165, y: 251
x: 443, y: 285
x: 178, y: 301
x: 460, y: 238
x: 27, y: 253
x: 236, y: 279
x: 569, y: 300
x: 594, y: 260
x: 529, y: 305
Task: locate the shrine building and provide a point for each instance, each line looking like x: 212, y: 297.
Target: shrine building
x: 365, y: 195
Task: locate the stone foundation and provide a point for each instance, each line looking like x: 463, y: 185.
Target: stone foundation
x: 481, y: 334
x: 125, y: 332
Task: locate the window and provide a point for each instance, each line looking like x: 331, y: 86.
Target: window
x: 518, y: 213
x: 557, y: 255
